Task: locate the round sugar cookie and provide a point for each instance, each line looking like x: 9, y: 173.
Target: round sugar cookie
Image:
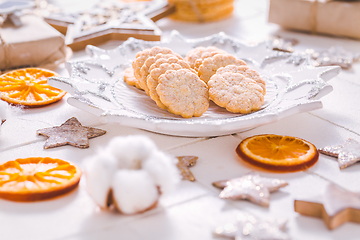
x: 210, y: 65
x: 143, y: 55
x: 183, y: 93
x: 247, y: 72
x: 170, y: 60
x: 235, y: 92
x: 195, y: 56
x: 144, y: 71
x: 156, y: 70
x: 152, y: 80
x: 129, y: 77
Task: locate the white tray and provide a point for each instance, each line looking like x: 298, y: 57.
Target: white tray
x: 96, y: 85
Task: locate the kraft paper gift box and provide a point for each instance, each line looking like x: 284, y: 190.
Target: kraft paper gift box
x: 338, y: 18
x: 33, y: 44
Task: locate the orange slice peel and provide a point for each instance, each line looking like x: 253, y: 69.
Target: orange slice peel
x: 278, y: 153
x: 28, y: 86
x: 37, y: 178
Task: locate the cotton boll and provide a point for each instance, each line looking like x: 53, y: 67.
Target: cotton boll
x: 134, y: 191
x: 131, y: 151
x: 99, y: 171
x: 136, y: 172
x: 142, y: 145
x: 124, y: 153
x: 3, y: 110
x: 163, y: 170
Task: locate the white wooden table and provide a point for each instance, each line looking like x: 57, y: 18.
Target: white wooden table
x: 194, y: 209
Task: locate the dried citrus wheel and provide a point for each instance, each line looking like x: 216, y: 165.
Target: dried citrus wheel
x: 37, y: 178
x: 29, y: 87
x: 279, y: 153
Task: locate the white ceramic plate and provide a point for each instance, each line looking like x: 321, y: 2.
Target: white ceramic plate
x: 96, y: 85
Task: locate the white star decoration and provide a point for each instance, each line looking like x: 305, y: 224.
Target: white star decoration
x: 336, y: 206
x: 248, y: 227
x: 347, y: 153
x: 253, y: 187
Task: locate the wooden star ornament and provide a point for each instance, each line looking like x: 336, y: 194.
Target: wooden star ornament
x: 347, y: 153
x: 69, y: 133
x: 250, y: 227
x: 336, y: 206
x: 252, y: 187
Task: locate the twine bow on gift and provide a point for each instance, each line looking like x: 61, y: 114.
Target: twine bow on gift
x: 313, y: 20
x: 314, y: 10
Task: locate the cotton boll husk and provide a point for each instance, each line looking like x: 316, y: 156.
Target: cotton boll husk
x: 163, y: 170
x: 134, y: 191
x: 99, y: 171
x: 131, y: 151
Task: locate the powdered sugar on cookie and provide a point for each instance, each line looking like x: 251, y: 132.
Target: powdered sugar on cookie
x: 129, y: 77
x: 247, y: 72
x: 153, y: 80
x: 142, y: 56
x: 180, y: 85
x: 212, y: 64
x: 145, y: 69
x: 196, y: 56
x: 235, y: 92
x: 183, y: 93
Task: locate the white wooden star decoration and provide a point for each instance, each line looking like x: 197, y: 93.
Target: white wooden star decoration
x: 251, y: 186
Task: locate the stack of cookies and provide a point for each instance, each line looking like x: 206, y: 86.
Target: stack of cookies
x: 202, y: 10
x: 232, y: 84
x: 169, y: 81
x: 185, y: 86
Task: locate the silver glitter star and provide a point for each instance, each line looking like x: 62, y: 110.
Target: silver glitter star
x: 347, y: 153
x: 248, y: 227
x: 278, y: 43
x: 335, y: 55
x: 253, y: 187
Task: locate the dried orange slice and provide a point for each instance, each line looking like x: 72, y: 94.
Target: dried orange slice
x: 29, y: 87
x: 37, y: 178
x: 278, y: 153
